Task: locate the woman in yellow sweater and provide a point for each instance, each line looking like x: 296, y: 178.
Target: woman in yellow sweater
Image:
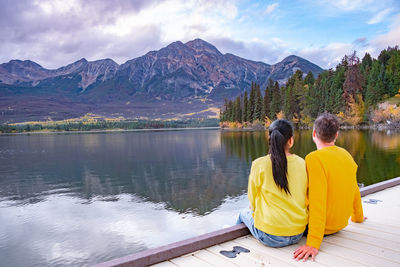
x: 277, y: 191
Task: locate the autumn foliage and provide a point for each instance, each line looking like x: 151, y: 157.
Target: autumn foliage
x: 354, y: 91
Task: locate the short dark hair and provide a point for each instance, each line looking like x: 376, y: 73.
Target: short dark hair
x: 326, y: 126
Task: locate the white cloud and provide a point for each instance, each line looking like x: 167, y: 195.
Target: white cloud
x: 351, y: 4
x: 268, y: 51
x: 270, y: 8
x: 327, y: 56
x: 391, y: 38
x: 380, y: 16
x: 120, y: 30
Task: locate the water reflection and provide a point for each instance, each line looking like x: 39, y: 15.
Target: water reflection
x: 62, y: 231
x: 74, y: 199
x: 187, y: 170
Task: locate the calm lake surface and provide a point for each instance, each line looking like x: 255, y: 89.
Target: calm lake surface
x: 80, y: 199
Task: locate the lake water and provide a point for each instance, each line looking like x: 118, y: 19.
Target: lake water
x: 79, y: 199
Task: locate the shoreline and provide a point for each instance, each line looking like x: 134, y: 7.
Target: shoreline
x: 113, y: 131
x: 379, y: 127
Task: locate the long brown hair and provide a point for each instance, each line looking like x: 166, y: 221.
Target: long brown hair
x: 280, y: 131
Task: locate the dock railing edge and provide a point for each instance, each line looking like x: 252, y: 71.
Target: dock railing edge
x: 180, y: 248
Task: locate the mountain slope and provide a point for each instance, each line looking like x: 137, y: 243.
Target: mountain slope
x: 179, y: 78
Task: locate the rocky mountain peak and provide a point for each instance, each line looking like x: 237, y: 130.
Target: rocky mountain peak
x: 291, y: 58
x: 200, y: 45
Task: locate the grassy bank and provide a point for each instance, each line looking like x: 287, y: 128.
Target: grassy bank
x: 70, y: 126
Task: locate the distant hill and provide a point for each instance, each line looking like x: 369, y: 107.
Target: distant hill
x: 179, y: 80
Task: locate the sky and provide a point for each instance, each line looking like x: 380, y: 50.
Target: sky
x: 55, y: 33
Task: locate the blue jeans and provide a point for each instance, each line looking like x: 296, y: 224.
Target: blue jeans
x: 246, y: 217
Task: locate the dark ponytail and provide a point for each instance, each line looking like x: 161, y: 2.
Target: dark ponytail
x: 280, y: 131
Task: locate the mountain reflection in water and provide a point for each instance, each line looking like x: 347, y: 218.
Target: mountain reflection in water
x: 76, y: 199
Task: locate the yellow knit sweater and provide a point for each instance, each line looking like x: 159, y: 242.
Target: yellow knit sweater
x: 276, y: 212
x: 333, y: 192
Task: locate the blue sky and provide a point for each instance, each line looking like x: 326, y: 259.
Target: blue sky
x: 57, y: 32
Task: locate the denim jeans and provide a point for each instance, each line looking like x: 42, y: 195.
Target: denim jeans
x: 246, y: 217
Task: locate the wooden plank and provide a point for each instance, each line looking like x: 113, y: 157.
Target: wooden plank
x: 374, y: 250
x: 242, y: 259
x: 191, y: 261
x: 383, y: 223
x: 177, y: 249
x: 160, y: 254
x: 164, y: 264
x: 380, y: 234
x: 373, y: 240
x: 377, y: 227
x: 323, y: 257
x: 379, y: 186
x: 277, y: 257
x: 215, y: 259
x: 360, y: 257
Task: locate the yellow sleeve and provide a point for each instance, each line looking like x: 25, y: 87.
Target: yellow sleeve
x: 357, y: 215
x: 317, y: 182
x: 252, y: 188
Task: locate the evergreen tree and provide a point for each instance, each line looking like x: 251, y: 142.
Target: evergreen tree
x: 238, y: 110
x: 276, y: 101
x: 309, y: 79
x: 392, y: 72
x: 337, y: 100
x: 244, y: 110
x: 267, y: 99
x: 231, y: 113
x: 375, y: 86
x: 251, y: 103
x: 366, y: 64
x: 257, y: 115
x: 225, y: 111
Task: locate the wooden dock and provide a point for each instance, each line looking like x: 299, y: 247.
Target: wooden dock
x: 376, y: 242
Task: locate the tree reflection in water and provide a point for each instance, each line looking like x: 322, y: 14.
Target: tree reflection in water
x: 188, y: 171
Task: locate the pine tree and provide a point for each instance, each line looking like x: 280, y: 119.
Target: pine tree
x: 337, y: 100
x: 238, y: 110
x: 366, y: 64
x: 309, y: 79
x: 276, y: 101
x: 392, y: 72
x: 244, y: 110
x: 267, y: 99
x: 375, y: 87
x: 231, y: 114
x: 251, y: 103
x: 257, y: 115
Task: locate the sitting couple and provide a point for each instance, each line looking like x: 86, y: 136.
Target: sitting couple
x: 285, y: 204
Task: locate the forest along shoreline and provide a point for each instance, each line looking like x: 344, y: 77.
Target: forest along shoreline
x: 363, y: 94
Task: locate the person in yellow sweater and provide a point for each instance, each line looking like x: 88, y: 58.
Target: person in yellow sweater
x: 277, y: 191
x: 333, y: 192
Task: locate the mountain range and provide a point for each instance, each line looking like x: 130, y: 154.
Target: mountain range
x: 178, y: 81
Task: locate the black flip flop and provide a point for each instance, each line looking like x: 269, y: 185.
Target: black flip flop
x: 232, y: 253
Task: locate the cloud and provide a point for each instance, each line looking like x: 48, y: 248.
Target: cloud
x: 362, y: 41
x: 270, y: 51
x: 95, y: 29
x: 391, y: 38
x: 270, y: 8
x: 330, y: 55
x: 326, y: 56
x: 351, y: 4
x: 380, y: 16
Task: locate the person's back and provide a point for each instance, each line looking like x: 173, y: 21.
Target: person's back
x: 275, y: 211
x: 277, y: 192
x: 332, y: 191
x: 334, y: 166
